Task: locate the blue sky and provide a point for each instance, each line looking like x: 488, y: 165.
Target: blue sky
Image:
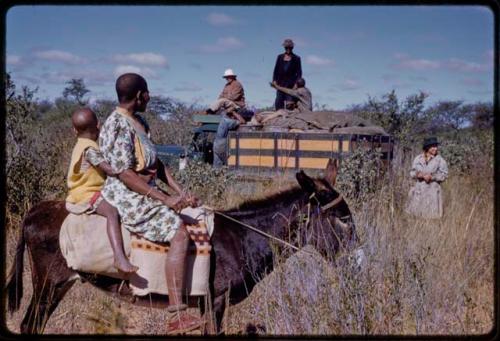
x: 348, y: 52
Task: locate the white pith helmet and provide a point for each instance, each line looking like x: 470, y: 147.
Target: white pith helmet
x: 228, y: 73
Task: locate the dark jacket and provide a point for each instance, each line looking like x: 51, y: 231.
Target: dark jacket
x: 289, y: 77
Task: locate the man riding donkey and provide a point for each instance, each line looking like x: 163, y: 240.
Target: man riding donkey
x: 143, y: 207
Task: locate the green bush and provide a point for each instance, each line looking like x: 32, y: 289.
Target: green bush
x: 359, y: 173
x: 208, y: 183
x: 468, y: 151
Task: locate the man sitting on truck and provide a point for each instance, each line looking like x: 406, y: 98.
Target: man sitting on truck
x: 232, y: 97
x: 229, y: 121
x: 301, y: 95
x: 302, y: 103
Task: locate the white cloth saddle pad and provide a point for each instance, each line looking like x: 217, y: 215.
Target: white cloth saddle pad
x: 85, y: 246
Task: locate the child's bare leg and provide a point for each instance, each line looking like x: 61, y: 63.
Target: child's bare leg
x: 105, y: 209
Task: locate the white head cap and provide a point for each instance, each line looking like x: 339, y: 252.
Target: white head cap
x: 229, y: 72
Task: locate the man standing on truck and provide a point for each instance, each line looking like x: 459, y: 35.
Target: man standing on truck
x: 229, y: 121
x: 232, y: 97
x: 287, y: 70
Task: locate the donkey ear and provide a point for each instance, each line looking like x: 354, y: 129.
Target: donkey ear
x: 331, y: 171
x: 305, y: 182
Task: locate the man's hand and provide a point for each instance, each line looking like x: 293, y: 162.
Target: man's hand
x: 273, y: 84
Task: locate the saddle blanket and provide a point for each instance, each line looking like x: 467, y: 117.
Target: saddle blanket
x: 85, y: 246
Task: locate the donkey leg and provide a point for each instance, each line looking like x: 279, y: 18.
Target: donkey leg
x: 205, y: 307
x: 42, y: 305
x: 219, y: 309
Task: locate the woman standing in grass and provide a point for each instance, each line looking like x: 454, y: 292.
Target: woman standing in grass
x: 429, y: 169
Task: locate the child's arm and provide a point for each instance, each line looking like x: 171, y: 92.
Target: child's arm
x: 95, y: 158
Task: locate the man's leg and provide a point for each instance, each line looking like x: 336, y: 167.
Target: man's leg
x: 217, y: 105
x: 114, y: 231
x: 279, y: 103
x: 219, y: 152
x: 175, y: 275
x: 225, y: 104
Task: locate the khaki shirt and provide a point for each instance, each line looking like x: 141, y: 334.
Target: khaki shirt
x: 303, y: 95
x: 234, y: 92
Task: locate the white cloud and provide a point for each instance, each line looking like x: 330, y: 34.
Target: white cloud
x: 89, y: 76
x: 143, y: 71
x: 220, y: 19
x: 146, y: 58
x: 222, y: 45
x: 14, y: 60
x: 464, y: 66
x: 417, y: 64
x: 454, y: 64
x: 319, y: 61
x: 59, y: 56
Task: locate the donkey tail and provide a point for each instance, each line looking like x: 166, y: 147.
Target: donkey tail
x: 15, y: 280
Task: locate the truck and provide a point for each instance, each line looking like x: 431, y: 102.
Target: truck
x: 252, y: 150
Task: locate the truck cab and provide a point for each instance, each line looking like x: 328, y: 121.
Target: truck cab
x: 201, y: 146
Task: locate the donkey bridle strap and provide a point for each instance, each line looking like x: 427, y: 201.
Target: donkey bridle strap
x: 331, y: 204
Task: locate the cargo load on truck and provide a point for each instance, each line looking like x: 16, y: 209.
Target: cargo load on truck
x: 324, y: 121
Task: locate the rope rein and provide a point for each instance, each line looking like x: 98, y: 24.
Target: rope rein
x: 261, y: 232
x: 331, y: 204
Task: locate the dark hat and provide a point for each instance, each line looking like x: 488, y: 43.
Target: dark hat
x: 430, y: 141
x: 288, y: 43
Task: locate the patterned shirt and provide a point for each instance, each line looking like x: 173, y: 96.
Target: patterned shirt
x: 139, y: 213
x: 91, y: 157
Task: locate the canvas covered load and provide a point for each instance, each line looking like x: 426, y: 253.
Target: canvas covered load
x: 85, y: 246
x: 325, y: 121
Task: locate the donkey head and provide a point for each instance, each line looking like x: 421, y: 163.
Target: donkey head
x: 329, y: 209
x: 321, y: 191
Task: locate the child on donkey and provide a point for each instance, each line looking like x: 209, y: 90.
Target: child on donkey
x: 86, y: 176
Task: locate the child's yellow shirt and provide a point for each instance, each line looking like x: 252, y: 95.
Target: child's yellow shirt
x: 83, y: 183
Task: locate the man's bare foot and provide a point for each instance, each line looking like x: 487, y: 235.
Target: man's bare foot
x: 183, y: 322
x: 125, y: 266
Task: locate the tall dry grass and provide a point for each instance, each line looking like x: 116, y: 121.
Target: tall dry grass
x: 418, y: 277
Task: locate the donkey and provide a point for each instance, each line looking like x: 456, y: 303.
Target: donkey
x: 240, y: 257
